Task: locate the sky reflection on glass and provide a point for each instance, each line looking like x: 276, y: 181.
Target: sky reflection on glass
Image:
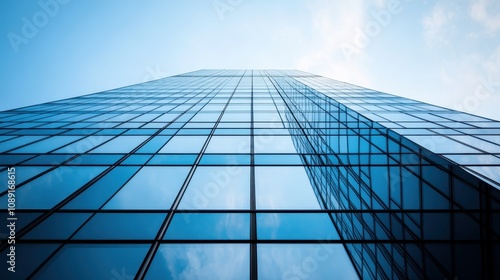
x: 222, y: 187
x: 49, y: 189
x: 284, y: 188
x: 304, y: 261
x: 201, y: 261
x: 295, y: 226
x: 94, y: 261
x: 151, y: 188
x: 209, y: 226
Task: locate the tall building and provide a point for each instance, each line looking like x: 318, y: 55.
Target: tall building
x: 248, y: 174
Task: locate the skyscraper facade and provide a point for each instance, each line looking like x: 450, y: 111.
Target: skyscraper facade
x: 248, y: 174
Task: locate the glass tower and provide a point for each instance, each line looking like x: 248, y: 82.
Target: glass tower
x: 248, y: 174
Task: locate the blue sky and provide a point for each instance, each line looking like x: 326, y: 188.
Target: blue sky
x: 442, y: 52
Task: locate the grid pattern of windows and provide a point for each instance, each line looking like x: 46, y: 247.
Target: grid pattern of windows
x: 250, y: 174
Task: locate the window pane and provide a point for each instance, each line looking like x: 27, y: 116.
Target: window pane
x: 48, y: 190
x: 441, y: 144
x: 201, y: 261
x: 231, y: 159
x: 122, y: 226
x: 209, y: 226
x: 19, y: 141
x: 172, y: 159
x: 153, y: 145
x: 120, y: 144
x: 95, y: 196
x: 229, y: 144
x: 295, y: 226
x: 284, y: 188
x: 48, y: 144
x: 274, y: 144
x: 224, y: 187
x: 84, y: 144
x: 28, y: 258
x: 278, y: 159
x: 151, y: 188
x: 304, y: 261
x: 22, y: 174
x: 58, y: 226
x: 184, y: 144
x: 95, y: 261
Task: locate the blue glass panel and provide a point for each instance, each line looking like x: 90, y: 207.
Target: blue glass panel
x: 122, y: 226
x: 410, y: 189
x: 474, y: 159
x: 304, y: 261
x: 431, y: 199
x: 27, y: 258
x: 101, y: 261
x: 436, y: 226
x: 209, y: 226
x: 441, y: 144
x: 314, y: 226
x: 94, y: 196
x: 199, y: 125
x: 229, y: 144
x: 95, y: 160
x: 230, y: 159
x: 284, y: 188
x: 13, y: 159
x: 466, y: 226
x: 22, y: 174
x: 274, y: 144
x: 23, y: 219
x: 19, y: 141
x: 234, y: 125
x: 201, y: 261
x: 153, y: 145
x: 58, y: 226
x: 489, y: 172
x: 224, y: 187
x: 120, y: 144
x: 48, y: 159
x: 156, y: 187
x: 47, y: 145
x: 235, y: 117
x: 85, y: 144
x: 278, y: 159
x: 136, y: 160
x: 166, y: 131
x: 233, y: 131
x: 172, y: 159
x: 194, y: 131
x: 51, y: 188
x: 184, y: 144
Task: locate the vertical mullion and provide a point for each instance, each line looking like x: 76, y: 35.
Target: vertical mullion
x: 253, y: 218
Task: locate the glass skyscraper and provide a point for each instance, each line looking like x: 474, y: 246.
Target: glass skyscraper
x: 248, y: 174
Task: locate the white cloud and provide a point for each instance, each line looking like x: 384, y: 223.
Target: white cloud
x: 334, y: 25
x: 487, y: 13
x: 466, y: 75
x: 437, y: 24
x: 470, y: 84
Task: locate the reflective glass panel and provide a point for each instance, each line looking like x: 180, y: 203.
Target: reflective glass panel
x: 209, y: 226
x: 201, y: 261
x: 151, y: 188
x: 101, y: 261
x: 221, y: 187
x: 121, y: 226
x: 284, y: 188
x: 312, y: 226
x: 304, y: 261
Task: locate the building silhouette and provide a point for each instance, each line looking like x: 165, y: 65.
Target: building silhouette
x: 248, y: 174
